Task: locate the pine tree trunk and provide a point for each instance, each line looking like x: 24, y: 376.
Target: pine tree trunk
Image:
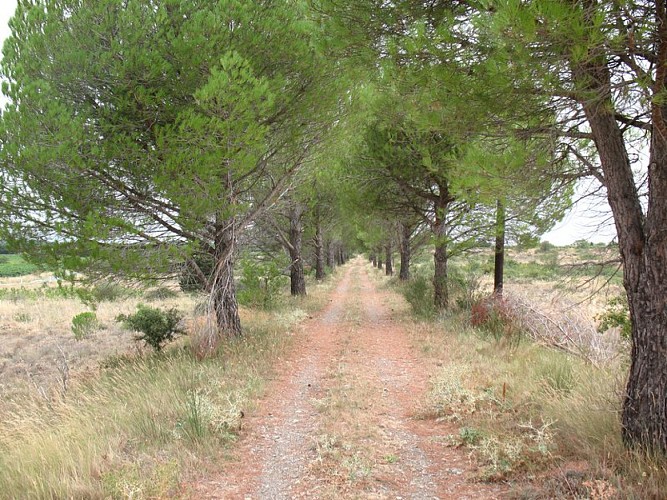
x: 404, y: 274
x: 379, y: 258
x: 331, y: 253
x: 389, y: 270
x: 499, y: 260
x: 223, y: 288
x: 340, y: 255
x: 297, y: 276
x: 440, y: 288
x: 645, y: 279
x: 643, y: 245
x: 319, y: 248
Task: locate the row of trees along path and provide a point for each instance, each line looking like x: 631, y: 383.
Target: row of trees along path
x: 143, y: 137
x: 343, y: 415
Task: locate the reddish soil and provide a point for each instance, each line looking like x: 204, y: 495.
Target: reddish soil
x: 341, y: 419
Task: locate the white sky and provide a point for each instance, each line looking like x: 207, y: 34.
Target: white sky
x: 7, y: 8
x: 583, y: 222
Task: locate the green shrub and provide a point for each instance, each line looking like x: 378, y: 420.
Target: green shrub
x: 109, y: 292
x: 469, y: 435
x: 526, y: 241
x: 616, y: 315
x: 550, y: 260
x: 157, y: 327
x: 419, y: 294
x: 465, y: 284
x: 84, y: 324
x: 23, y: 317
x: 546, y: 246
x: 260, y: 283
x: 101, y: 292
x: 14, y: 265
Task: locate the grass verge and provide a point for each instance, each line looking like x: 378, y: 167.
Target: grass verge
x: 534, y: 415
x: 145, y: 425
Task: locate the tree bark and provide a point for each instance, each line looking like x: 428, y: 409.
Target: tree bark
x: 340, y: 256
x: 379, y: 258
x: 297, y: 276
x: 642, y: 243
x: 331, y: 253
x: 319, y: 247
x: 499, y: 260
x: 389, y: 270
x: 404, y: 274
x: 440, y: 285
x: 223, y: 288
x: 440, y: 288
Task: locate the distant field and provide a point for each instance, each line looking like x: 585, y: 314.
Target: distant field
x: 14, y: 265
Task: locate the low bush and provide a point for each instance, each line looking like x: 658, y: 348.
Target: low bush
x: 465, y: 284
x: 157, y: 327
x: 546, y: 246
x: 582, y: 244
x: 260, y: 283
x: 419, y: 294
x: 110, y: 292
x: 14, y: 266
x: 616, y: 315
x: 23, y: 317
x: 100, y: 292
x: 84, y: 325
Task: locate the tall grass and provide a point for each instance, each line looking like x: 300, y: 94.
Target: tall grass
x: 91, y: 442
x: 535, y: 410
x: 143, y: 425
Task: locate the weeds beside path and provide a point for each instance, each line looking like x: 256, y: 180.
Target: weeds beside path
x: 341, y: 418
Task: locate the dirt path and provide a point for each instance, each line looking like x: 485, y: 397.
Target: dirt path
x: 341, y: 418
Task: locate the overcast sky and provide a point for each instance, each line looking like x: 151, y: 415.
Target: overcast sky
x: 581, y: 223
x: 7, y: 8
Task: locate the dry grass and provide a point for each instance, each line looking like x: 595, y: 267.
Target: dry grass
x: 343, y: 451
x: 533, y: 413
x: 136, y: 426
x: 38, y: 349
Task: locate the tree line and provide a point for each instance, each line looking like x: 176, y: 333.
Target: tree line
x: 142, y: 137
